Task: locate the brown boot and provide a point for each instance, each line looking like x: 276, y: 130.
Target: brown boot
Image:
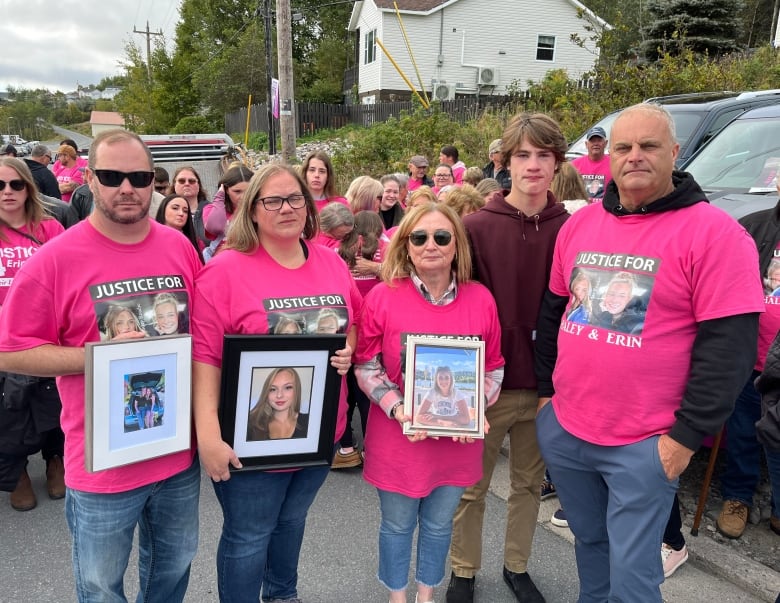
x: 23, y: 497
x: 55, y: 478
x: 732, y: 519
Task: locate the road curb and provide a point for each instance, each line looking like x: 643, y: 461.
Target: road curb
x: 705, y: 553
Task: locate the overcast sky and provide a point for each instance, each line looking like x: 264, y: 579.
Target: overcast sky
x: 57, y: 44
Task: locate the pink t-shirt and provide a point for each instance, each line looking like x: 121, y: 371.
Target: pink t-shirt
x: 390, y: 314
x: 648, y: 280
x: 320, y: 203
x: 595, y: 175
x: 69, y: 174
x: 457, y: 172
x: 71, y: 284
x: 769, y: 321
x: 248, y: 294
x: 18, y: 249
x: 367, y: 282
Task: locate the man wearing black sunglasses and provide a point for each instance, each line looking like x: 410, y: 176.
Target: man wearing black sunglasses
x: 512, y: 240
x: 117, y: 257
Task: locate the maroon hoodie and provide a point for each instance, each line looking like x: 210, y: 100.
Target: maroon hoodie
x: 512, y: 255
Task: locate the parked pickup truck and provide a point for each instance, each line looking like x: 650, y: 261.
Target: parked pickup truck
x: 202, y: 152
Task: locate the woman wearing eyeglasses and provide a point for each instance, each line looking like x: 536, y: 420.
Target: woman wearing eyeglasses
x: 269, y: 266
x: 24, y: 227
x: 420, y: 481
x: 442, y: 177
x: 187, y: 183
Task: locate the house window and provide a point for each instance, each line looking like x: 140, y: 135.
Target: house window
x: 545, y: 48
x: 369, y: 51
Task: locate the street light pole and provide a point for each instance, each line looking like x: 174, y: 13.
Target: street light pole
x: 269, y: 72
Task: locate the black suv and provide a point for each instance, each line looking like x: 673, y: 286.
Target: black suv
x: 697, y: 116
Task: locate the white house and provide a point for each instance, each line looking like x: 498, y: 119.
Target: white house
x: 105, y: 120
x: 466, y: 47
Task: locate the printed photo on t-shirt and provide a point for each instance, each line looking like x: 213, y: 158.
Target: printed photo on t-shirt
x: 309, y: 315
x: 615, y: 299
x: 594, y: 185
x: 772, y: 276
x: 154, y: 306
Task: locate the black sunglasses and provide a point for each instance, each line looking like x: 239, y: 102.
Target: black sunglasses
x: 114, y: 178
x: 16, y: 185
x: 440, y: 237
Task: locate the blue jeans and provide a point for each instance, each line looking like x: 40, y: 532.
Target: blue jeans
x: 617, y: 501
x: 102, y: 527
x: 400, y: 516
x: 743, y: 459
x: 264, y: 518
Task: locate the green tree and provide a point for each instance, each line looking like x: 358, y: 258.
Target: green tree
x: 705, y: 26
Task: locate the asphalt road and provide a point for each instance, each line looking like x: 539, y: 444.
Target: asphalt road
x: 338, y: 561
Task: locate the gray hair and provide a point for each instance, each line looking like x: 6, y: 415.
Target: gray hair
x: 403, y: 179
x: 652, y: 109
x: 40, y: 150
x: 334, y: 215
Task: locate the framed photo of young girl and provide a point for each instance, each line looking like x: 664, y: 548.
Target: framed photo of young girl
x: 444, y: 387
x: 279, y: 399
x: 137, y: 400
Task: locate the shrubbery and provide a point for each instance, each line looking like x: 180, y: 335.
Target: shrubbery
x: 386, y: 147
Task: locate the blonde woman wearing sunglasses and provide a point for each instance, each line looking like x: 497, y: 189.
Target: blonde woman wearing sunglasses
x: 420, y: 480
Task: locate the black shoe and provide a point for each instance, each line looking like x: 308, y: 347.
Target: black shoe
x: 460, y: 590
x: 523, y: 587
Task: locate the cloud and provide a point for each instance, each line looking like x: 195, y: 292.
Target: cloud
x: 62, y: 43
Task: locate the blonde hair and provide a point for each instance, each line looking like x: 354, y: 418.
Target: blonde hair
x: 397, y: 263
x: 567, y: 184
x: 473, y: 175
x: 243, y: 234
x: 488, y: 185
x: 464, y: 200
x: 363, y: 193
x: 422, y: 192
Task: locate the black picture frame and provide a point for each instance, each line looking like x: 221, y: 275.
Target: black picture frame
x: 249, y: 364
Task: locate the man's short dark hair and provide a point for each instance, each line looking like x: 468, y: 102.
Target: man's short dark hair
x: 161, y: 174
x: 450, y: 151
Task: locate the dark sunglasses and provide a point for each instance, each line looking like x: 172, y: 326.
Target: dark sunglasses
x: 16, y: 185
x: 419, y: 238
x: 114, y: 178
x: 186, y: 180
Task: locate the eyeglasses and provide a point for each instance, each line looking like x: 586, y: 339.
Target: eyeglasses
x: 16, y: 185
x: 441, y: 175
x: 187, y: 180
x: 115, y: 178
x: 160, y: 188
x: 48, y: 157
x: 275, y: 203
x: 442, y: 238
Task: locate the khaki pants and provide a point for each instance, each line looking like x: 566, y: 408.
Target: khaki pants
x: 514, y: 413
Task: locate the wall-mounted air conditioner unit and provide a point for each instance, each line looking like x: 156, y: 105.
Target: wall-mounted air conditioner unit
x: 442, y: 91
x: 487, y: 76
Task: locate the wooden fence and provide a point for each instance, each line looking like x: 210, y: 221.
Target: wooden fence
x: 313, y: 117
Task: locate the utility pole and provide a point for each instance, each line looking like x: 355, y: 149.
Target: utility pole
x: 148, y: 35
x: 287, y: 102
x: 269, y: 71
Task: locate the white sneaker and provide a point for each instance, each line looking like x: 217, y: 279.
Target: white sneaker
x: 672, y: 559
